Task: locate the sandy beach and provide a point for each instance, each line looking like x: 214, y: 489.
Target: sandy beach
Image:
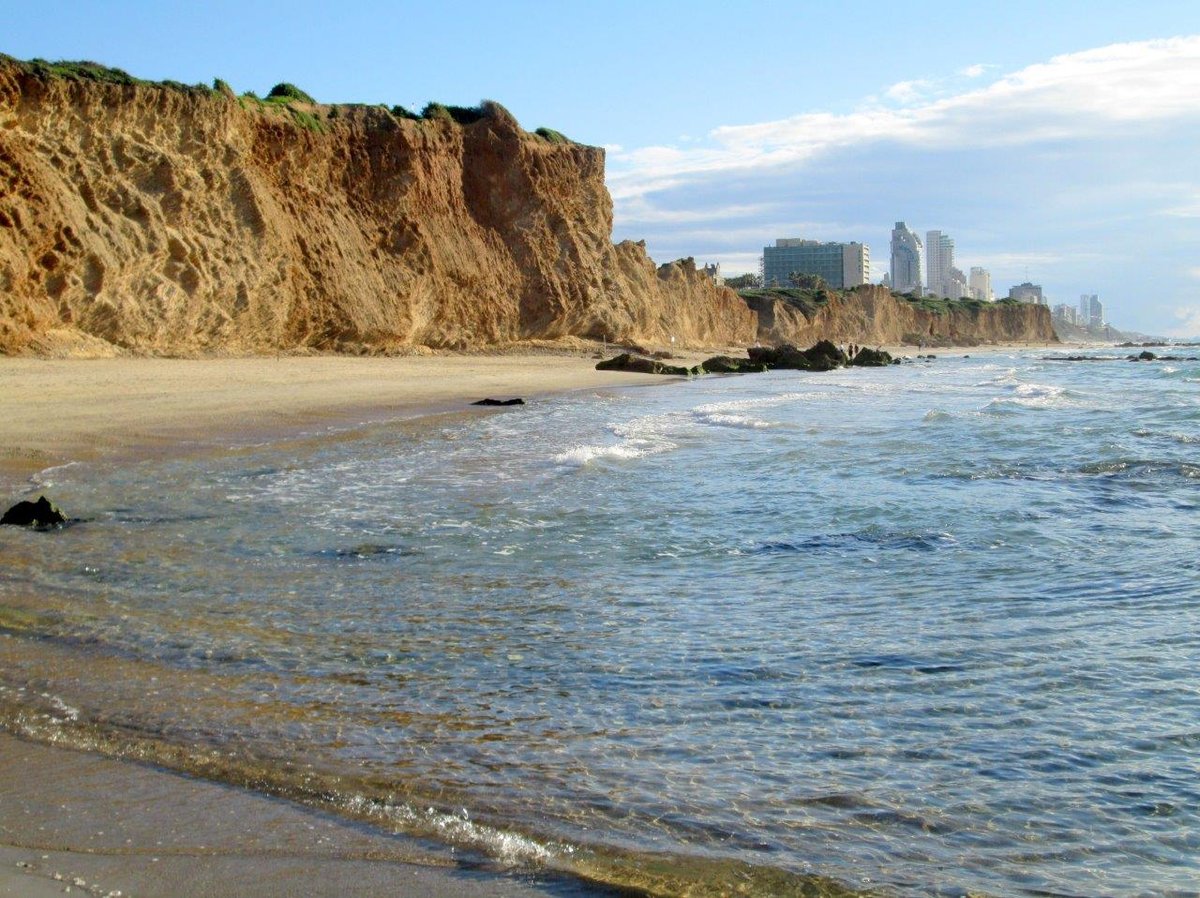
x: 54, y: 411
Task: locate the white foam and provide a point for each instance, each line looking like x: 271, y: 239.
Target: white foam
x: 43, y: 478
x: 509, y: 849
x: 1032, y: 396
x: 737, y: 405
x: 717, y: 419
x: 582, y: 455
x: 639, y: 438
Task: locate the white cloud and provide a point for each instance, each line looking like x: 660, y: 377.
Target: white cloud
x: 1188, y: 322
x: 1194, y: 273
x: 1085, y: 95
x: 907, y: 91
x: 639, y: 211
x: 1189, y: 208
x: 974, y: 71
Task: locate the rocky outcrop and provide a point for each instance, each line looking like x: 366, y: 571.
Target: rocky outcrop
x: 172, y: 220
x: 873, y: 315
x: 821, y: 356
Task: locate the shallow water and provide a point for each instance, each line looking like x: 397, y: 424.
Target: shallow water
x: 929, y: 629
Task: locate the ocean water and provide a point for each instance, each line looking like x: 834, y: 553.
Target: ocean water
x: 925, y: 630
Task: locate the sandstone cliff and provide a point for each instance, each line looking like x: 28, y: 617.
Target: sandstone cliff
x: 872, y: 315
x: 165, y: 219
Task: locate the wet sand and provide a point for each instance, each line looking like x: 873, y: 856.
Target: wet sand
x: 94, y: 826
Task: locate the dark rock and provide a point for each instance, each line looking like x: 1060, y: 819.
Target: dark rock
x: 41, y: 514
x: 642, y: 365
x: 499, y: 402
x: 871, y: 358
x: 1145, y: 356
x: 821, y: 356
x: 724, y: 364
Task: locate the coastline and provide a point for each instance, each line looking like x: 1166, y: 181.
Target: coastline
x: 57, y: 411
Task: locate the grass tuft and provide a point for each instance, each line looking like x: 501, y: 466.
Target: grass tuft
x: 285, y: 92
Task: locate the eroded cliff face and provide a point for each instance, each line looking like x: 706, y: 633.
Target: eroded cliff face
x: 152, y: 219
x: 871, y: 315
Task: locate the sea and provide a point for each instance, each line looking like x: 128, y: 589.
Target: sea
x: 924, y: 630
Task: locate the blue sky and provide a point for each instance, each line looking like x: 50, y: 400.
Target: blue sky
x: 1054, y: 141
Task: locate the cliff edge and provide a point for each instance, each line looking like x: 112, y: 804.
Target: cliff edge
x: 166, y: 219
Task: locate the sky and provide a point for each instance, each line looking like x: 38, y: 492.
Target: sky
x: 1054, y: 142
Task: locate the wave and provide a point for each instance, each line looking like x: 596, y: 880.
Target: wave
x: 1137, y: 468
x: 864, y: 539
x: 633, y: 449
x: 44, y: 479
x: 1186, y: 439
x: 1031, y: 396
x: 657, y: 434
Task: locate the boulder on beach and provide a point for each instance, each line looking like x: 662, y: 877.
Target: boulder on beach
x: 41, y: 514
x: 490, y: 401
x: 641, y: 365
x: 726, y: 364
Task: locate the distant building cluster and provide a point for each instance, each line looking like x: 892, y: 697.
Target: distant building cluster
x: 1088, y: 315
x: 921, y: 267
x: 928, y: 268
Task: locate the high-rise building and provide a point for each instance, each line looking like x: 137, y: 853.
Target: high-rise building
x: 1091, y: 310
x: 1027, y: 292
x: 906, y: 260
x: 981, y: 284
x: 841, y: 265
x: 939, y: 264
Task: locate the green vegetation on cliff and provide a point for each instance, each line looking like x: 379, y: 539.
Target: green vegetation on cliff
x: 941, y: 306
x: 86, y: 70
x: 284, y: 95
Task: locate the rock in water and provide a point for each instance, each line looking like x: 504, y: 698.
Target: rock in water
x: 490, y: 401
x: 41, y: 514
x: 871, y: 358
